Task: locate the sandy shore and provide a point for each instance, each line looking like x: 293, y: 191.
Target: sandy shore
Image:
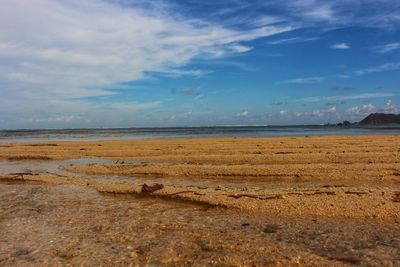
x: 225, y: 201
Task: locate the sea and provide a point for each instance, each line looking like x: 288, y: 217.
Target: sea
x: 97, y: 134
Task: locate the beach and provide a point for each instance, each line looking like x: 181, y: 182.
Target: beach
x: 223, y: 201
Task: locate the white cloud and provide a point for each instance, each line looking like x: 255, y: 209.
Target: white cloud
x: 73, y: 113
x: 54, y: 119
x: 283, y: 41
x: 384, y: 49
x: 366, y: 109
x: 79, y: 47
x: 303, y: 80
x: 131, y: 106
x: 265, y: 20
x: 340, y: 46
x: 284, y: 112
x: 175, y: 73
x: 240, y: 48
x: 242, y: 114
x: 345, y: 97
x: 361, y: 110
x: 63, y: 50
x: 292, y: 40
x: 320, y: 113
x: 381, y: 68
x: 199, y: 96
x: 324, y: 12
x: 389, y: 107
x: 340, y: 13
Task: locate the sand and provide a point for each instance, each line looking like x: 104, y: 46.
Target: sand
x: 225, y: 202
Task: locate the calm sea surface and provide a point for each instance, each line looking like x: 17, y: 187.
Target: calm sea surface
x: 189, y: 132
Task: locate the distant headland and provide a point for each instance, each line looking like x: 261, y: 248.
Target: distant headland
x: 380, y: 119
x: 375, y: 119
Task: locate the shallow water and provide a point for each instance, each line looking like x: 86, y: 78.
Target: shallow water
x: 38, y: 135
x: 57, y: 168
x: 67, y: 225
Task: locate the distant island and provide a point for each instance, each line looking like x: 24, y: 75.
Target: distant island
x: 374, y: 119
x: 380, y: 119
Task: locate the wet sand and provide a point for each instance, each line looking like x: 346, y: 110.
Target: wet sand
x: 225, y: 202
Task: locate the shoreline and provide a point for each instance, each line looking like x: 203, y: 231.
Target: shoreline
x: 111, y: 134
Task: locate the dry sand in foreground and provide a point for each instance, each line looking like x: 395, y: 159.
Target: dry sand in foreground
x: 302, y: 200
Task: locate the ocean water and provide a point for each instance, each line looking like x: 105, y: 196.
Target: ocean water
x: 188, y: 132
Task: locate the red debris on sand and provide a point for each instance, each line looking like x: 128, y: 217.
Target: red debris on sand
x: 151, y: 188
x: 396, y: 197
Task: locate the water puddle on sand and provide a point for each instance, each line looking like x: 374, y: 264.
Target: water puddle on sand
x: 57, y: 168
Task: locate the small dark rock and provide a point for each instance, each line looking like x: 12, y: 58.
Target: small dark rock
x: 97, y: 228
x: 396, y: 197
x: 205, y: 246
x: 151, y: 188
x: 245, y: 225
x: 20, y: 252
x: 271, y: 228
x: 139, y: 250
x: 348, y: 259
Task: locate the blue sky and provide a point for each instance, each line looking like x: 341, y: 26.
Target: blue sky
x: 135, y: 63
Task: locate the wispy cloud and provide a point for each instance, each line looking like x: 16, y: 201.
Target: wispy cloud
x: 336, y: 13
x: 345, y: 97
x: 283, y: 41
x: 303, y: 80
x: 284, y: 112
x: 324, y: 14
x: 279, y: 103
x: 387, y: 48
x: 264, y: 20
x: 240, y: 48
x: 340, y: 46
x: 73, y: 54
x: 196, y: 94
x: 319, y: 11
x: 66, y: 50
x: 133, y: 106
x: 313, y: 113
x: 73, y: 113
x: 292, y: 40
x: 342, y: 88
x: 381, y: 68
x: 176, y: 73
x: 242, y: 114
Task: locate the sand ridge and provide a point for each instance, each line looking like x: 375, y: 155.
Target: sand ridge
x: 334, y: 176
x: 340, y: 181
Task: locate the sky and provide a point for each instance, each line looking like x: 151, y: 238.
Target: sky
x: 159, y: 63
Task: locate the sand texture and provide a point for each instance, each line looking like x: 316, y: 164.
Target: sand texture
x: 312, y: 201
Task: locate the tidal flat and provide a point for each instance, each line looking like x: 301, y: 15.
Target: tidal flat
x: 248, y: 201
